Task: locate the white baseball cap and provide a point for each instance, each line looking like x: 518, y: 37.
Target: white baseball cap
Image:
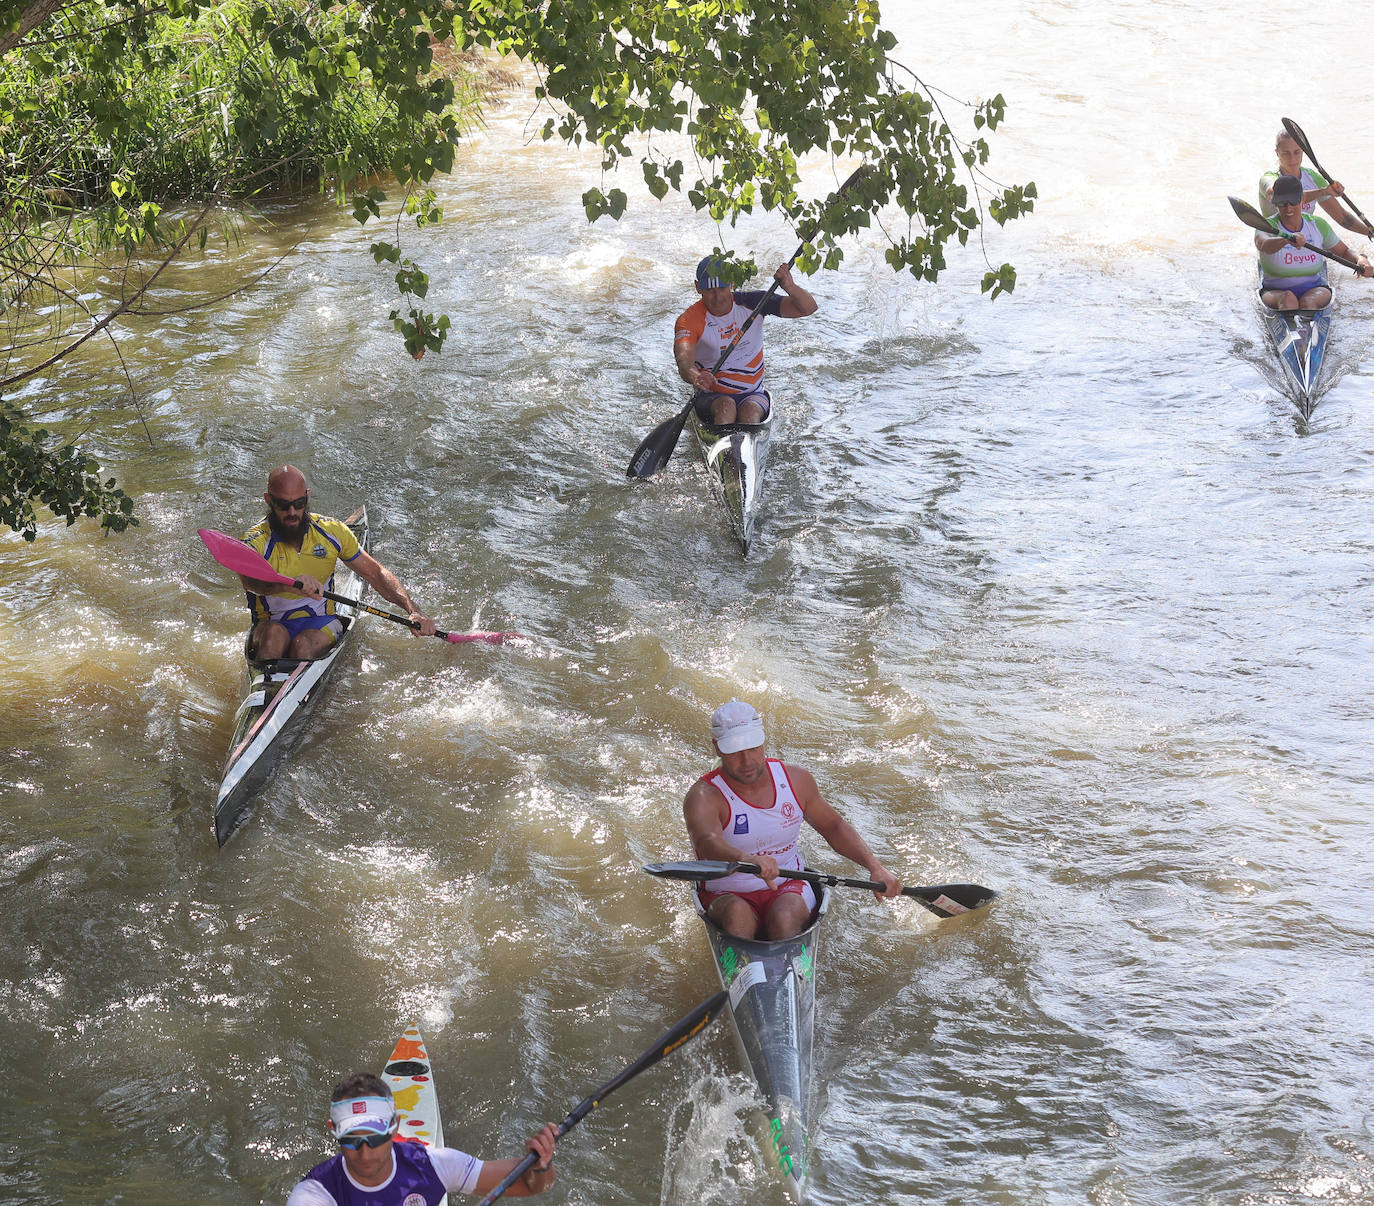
x: 736, y: 726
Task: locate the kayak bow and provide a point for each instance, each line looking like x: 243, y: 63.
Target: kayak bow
x: 735, y: 455
x: 1299, y: 337
x: 772, y: 987
x: 411, y: 1081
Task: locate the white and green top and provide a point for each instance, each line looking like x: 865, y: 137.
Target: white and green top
x: 1290, y: 262
x: 1312, y: 181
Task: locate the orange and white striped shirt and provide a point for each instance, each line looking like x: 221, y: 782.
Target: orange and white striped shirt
x: 712, y: 334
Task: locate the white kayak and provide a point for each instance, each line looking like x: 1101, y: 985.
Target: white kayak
x: 411, y: 1081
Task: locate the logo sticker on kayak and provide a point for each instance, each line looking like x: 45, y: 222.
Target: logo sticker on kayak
x: 789, y: 1162
x: 749, y: 975
x: 729, y: 963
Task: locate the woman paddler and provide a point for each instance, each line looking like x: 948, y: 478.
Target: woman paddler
x: 1316, y: 188
x: 1294, y: 274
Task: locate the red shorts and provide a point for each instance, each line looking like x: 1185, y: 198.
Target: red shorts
x: 762, y: 900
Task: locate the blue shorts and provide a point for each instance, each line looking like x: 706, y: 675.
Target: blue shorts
x: 703, y: 402
x: 1296, y: 285
x: 304, y: 620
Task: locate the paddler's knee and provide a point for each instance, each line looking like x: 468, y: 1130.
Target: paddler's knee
x: 787, y: 917
x: 734, y: 916
x: 312, y: 643
x: 269, y: 641
x: 723, y: 410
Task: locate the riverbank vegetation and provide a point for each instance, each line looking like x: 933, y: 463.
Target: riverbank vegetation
x: 125, y: 126
x: 128, y: 134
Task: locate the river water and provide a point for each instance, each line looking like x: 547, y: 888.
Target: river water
x: 1053, y: 594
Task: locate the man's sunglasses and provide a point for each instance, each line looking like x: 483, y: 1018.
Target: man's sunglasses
x: 289, y: 504
x: 354, y: 1142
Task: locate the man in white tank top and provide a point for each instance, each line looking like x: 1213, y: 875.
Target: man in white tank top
x: 749, y: 810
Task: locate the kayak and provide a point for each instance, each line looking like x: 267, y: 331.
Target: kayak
x: 1299, y: 337
x: 411, y: 1081
x: 735, y: 455
x: 407, y: 1074
x: 281, y: 694
x: 772, y: 989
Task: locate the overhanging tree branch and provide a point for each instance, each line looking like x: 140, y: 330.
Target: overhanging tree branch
x: 756, y: 86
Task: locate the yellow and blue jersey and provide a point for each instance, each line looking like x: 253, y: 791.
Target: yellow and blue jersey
x: 326, y: 542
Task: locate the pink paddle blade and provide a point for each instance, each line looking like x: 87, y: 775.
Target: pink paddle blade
x: 237, y: 556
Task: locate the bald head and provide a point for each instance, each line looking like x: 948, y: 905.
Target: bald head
x: 286, y: 481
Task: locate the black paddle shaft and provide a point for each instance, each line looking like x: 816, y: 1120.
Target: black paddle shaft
x: 375, y: 611
x: 944, y: 900
x: 685, y: 1028
x: 854, y: 177
x: 1296, y: 134
x: 1252, y: 218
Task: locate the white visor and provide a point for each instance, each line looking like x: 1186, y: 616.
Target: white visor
x: 373, y: 1114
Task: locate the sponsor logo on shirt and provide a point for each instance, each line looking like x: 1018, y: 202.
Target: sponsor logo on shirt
x: 788, y: 810
x: 414, y: 1199
x: 741, y: 822
x: 319, y: 551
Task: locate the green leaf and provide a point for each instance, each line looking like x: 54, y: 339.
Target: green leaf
x: 1002, y: 280
x: 114, y: 115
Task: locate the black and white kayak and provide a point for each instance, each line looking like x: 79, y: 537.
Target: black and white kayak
x: 281, y: 694
x: 1299, y: 337
x: 772, y: 987
x: 735, y: 455
x: 772, y: 992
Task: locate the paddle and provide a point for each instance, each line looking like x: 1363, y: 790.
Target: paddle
x: 237, y: 556
x: 1256, y: 221
x: 655, y: 449
x: 1295, y: 132
x: 944, y: 900
x: 684, y: 1028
